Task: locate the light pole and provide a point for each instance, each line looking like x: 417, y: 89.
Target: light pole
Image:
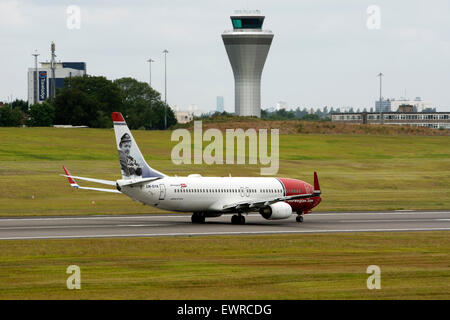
x: 150, y: 70
x: 165, y: 87
x: 35, y: 79
x: 381, y: 98
x: 150, y: 83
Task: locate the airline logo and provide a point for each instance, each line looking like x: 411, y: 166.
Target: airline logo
x: 183, y: 185
x: 42, y: 85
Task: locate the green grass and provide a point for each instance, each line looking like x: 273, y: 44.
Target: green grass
x: 321, y: 266
x: 356, y: 172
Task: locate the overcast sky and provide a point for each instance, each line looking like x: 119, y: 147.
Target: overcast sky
x: 323, y: 53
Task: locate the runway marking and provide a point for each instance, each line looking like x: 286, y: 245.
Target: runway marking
x: 91, y: 218
x: 395, y: 220
x: 376, y: 213
x: 147, y: 216
x: 87, y: 226
x: 221, y: 233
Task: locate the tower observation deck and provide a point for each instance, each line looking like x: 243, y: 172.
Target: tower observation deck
x: 247, y: 46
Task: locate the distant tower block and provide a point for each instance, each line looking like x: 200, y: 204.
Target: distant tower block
x: 247, y: 47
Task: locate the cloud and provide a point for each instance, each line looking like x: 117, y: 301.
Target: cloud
x: 322, y: 52
x: 10, y: 15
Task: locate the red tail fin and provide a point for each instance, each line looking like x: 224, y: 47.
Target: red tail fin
x: 316, y: 182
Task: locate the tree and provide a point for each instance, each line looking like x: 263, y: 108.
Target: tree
x: 154, y: 117
x: 21, y: 104
x: 106, y: 93
x: 311, y: 117
x: 87, y: 100
x: 41, y: 115
x: 11, y: 117
x: 143, y: 107
x: 73, y: 106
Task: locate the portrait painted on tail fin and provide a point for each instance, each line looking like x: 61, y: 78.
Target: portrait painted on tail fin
x: 130, y: 167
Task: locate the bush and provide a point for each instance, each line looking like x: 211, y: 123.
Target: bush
x: 41, y: 115
x: 11, y: 117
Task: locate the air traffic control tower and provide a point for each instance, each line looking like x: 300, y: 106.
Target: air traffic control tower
x: 247, y: 47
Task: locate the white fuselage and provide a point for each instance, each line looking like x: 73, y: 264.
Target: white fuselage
x: 205, y: 194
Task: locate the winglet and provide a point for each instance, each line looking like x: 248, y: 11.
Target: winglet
x: 316, y: 183
x: 71, y: 180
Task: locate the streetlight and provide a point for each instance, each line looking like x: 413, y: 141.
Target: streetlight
x: 150, y: 69
x: 165, y: 87
x: 150, y: 83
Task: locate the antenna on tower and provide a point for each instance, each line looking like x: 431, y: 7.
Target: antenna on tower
x: 381, y: 98
x: 35, y: 80
x: 53, y: 67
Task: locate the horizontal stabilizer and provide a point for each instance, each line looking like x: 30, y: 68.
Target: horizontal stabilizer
x: 99, y: 189
x: 75, y: 185
x: 107, y: 182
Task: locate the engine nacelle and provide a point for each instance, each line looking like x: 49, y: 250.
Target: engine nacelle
x: 276, y: 211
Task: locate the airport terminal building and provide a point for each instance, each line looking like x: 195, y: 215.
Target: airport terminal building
x: 434, y: 120
x: 40, y: 86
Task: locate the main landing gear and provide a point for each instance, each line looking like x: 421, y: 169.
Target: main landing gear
x: 299, y: 218
x: 197, y: 217
x: 238, y: 219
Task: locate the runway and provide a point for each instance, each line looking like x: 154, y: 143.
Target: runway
x: 179, y: 225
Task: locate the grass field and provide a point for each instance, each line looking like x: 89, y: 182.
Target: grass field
x: 356, y: 172
x: 326, y: 266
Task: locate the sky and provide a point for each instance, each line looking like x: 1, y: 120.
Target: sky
x: 323, y: 52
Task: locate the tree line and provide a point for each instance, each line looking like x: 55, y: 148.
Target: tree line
x: 89, y: 101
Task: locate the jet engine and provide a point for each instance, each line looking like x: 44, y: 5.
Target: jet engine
x: 276, y: 211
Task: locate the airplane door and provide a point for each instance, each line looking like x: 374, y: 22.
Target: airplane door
x: 242, y: 191
x: 247, y: 192
x: 162, y: 191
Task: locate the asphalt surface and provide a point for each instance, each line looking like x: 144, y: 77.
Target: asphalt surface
x: 180, y: 225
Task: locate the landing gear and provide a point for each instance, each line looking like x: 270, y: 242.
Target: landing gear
x: 299, y: 218
x: 197, y: 217
x: 238, y: 219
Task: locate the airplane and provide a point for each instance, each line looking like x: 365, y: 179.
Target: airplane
x: 205, y: 197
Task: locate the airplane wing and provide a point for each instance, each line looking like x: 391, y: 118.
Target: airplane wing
x: 256, y: 204
x: 75, y: 185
